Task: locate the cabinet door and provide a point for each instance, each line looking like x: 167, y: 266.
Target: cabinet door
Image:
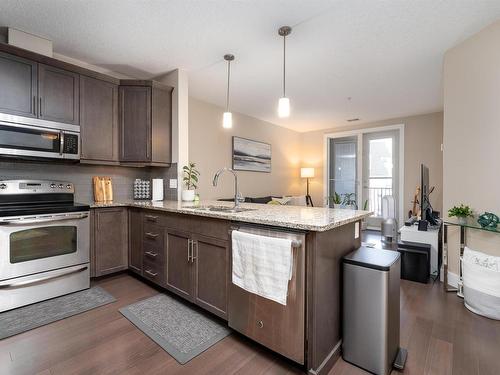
x: 110, y: 240
x: 135, y: 123
x: 98, y: 119
x: 18, y: 86
x: 59, y: 93
x: 179, y: 264
x: 211, y: 274
x: 162, y: 126
x: 135, y: 234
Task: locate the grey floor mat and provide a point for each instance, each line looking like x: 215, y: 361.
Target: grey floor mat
x: 179, y: 329
x: 41, y: 313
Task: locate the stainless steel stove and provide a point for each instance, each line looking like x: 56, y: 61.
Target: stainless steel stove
x: 44, y: 242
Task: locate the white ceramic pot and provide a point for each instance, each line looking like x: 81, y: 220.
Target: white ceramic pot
x: 188, y: 195
x: 462, y: 220
x: 337, y: 205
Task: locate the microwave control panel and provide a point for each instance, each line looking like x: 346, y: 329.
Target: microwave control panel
x: 70, y: 144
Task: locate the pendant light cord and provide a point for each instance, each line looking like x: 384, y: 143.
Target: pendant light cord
x: 228, y: 78
x: 284, y: 65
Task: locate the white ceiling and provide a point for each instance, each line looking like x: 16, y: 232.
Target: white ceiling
x: 386, y: 55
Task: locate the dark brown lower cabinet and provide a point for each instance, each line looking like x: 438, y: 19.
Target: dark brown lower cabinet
x: 179, y: 264
x: 109, y: 241
x: 197, y: 269
x: 211, y: 274
x: 135, y: 218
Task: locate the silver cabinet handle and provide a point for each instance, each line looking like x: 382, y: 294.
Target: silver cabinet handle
x: 151, y: 218
x: 40, y: 109
x: 193, y: 257
x: 152, y: 235
x: 260, y: 324
x: 40, y: 280
x: 190, y: 244
x: 151, y: 254
x: 152, y: 274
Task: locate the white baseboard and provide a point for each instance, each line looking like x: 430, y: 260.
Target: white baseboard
x: 453, y: 279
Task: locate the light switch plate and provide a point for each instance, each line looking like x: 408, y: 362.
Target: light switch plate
x: 173, y: 183
x: 356, y: 229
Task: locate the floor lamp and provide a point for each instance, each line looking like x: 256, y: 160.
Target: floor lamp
x: 307, y: 173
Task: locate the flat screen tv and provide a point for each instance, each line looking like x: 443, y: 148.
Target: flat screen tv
x: 425, y: 206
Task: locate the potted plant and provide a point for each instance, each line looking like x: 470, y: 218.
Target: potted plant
x: 336, y: 200
x: 190, y: 180
x: 349, y: 201
x: 461, y: 212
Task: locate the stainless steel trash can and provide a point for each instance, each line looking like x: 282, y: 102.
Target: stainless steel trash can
x: 371, y: 309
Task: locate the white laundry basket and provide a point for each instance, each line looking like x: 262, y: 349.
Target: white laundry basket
x: 481, y: 278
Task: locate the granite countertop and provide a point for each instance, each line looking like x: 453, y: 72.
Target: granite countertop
x: 317, y: 219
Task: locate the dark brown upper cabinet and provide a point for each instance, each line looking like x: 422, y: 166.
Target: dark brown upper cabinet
x: 18, y: 86
x: 98, y: 120
x: 145, y: 113
x: 58, y: 95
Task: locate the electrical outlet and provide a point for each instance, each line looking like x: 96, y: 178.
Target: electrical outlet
x: 173, y: 183
x: 356, y: 230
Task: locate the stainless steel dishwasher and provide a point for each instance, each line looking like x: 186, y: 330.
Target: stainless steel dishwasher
x: 277, y: 327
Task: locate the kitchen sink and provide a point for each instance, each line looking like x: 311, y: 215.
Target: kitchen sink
x: 223, y: 209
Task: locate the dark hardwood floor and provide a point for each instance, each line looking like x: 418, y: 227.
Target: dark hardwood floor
x: 441, y: 336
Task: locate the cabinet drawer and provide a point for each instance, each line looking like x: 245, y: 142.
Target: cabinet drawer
x: 153, y: 234
x: 152, y: 252
x: 154, y: 272
x: 152, y: 217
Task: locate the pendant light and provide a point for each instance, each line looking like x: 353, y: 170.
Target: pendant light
x: 227, y: 117
x: 284, y: 102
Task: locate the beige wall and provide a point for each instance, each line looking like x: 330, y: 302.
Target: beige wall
x: 423, y: 138
x: 210, y: 148
x: 472, y: 133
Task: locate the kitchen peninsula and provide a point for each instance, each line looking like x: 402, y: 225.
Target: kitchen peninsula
x: 186, y: 249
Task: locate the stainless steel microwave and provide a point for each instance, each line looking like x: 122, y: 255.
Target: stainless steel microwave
x: 35, y: 139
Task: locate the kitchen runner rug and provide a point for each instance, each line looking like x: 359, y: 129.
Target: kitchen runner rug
x: 41, y: 313
x: 179, y: 329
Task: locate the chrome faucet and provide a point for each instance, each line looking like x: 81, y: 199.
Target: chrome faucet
x: 236, y: 194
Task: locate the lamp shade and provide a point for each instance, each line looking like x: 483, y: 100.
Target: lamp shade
x: 284, y: 107
x: 227, y: 120
x: 306, y: 172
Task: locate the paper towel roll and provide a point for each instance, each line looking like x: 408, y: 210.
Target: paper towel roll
x: 157, y: 189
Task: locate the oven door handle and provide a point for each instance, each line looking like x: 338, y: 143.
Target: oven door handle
x: 39, y: 280
x: 49, y: 219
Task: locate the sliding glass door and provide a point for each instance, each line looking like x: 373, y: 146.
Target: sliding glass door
x: 380, y: 172
x: 363, y: 167
x: 343, y: 168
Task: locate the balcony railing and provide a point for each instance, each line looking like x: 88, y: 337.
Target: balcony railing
x: 375, y: 199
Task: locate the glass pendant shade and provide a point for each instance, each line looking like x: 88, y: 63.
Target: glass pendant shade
x: 227, y: 120
x: 284, y: 107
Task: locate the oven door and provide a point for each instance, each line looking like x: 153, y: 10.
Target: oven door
x: 34, y: 141
x: 33, y: 244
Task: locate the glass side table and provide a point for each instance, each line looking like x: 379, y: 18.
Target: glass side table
x: 469, y: 224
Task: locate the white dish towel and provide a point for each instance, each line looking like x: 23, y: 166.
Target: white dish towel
x: 262, y: 265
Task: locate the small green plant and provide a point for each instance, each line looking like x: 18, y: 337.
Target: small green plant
x: 460, y: 211
x: 191, y: 175
x: 349, y: 199
x: 336, y: 198
x: 365, y: 205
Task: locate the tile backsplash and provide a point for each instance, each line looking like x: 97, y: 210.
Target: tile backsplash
x: 81, y: 176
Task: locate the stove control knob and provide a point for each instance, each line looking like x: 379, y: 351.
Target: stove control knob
x: 61, y: 186
x: 68, y: 186
x: 52, y: 186
x: 3, y: 186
